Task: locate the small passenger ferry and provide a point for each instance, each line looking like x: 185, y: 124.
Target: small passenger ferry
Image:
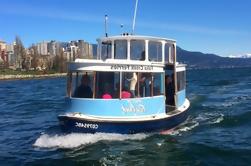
x: 132, y: 85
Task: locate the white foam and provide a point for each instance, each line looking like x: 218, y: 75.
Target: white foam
x: 78, y: 139
x: 209, y: 118
x: 187, y: 126
x: 218, y: 120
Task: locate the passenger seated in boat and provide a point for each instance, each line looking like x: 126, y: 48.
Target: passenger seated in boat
x: 106, y: 94
x: 125, y: 94
x: 169, y: 90
x: 84, y: 90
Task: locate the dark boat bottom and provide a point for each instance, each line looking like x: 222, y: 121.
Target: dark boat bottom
x: 73, y: 124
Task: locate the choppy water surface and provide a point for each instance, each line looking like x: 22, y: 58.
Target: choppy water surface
x: 217, y: 132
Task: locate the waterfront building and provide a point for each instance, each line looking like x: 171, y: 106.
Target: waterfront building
x: 42, y: 48
x: 11, y: 55
x: 2, y: 45
x: 52, y: 48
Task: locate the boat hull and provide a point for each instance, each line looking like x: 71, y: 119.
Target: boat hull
x: 84, y: 125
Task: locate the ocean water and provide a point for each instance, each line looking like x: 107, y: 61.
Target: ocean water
x: 217, y: 132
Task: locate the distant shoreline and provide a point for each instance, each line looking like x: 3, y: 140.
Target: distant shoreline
x: 30, y: 76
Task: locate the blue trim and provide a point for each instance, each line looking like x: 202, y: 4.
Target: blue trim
x: 118, y: 107
x: 181, y: 97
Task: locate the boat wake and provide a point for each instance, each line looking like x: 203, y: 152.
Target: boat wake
x: 73, y: 140
x: 193, y: 122
x: 209, y: 118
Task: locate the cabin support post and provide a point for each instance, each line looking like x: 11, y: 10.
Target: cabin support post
x: 94, y: 84
x: 120, y: 84
x: 174, y: 74
x: 69, y: 82
x: 152, y: 79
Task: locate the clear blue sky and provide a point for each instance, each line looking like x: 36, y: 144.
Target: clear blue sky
x: 222, y: 27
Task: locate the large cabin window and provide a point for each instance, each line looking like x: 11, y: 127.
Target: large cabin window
x: 82, y: 83
x: 137, y: 50
x: 129, y: 85
x: 106, y: 50
x: 155, y: 51
x: 107, y: 85
x: 114, y: 85
x: 158, y: 86
x: 120, y: 49
x: 181, y: 80
x: 145, y: 84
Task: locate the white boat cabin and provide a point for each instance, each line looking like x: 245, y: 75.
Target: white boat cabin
x: 129, y: 67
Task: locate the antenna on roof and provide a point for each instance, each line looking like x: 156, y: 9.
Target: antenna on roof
x: 106, y: 18
x: 134, y: 17
x: 121, y: 28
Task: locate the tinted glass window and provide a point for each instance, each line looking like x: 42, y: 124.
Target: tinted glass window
x: 167, y: 52
x: 82, y: 83
x: 155, y: 51
x: 181, y: 80
x: 106, y: 48
x: 120, y: 49
x: 137, y: 50
x: 158, y: 80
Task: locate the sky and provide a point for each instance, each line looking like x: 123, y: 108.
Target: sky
x: 222, y: 27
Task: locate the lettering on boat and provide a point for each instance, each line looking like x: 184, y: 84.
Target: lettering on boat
x: 133, y: 107
x: 86, y: 125
x: 131, y: 67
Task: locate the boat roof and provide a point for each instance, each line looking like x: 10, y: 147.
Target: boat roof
x: 138, y: 37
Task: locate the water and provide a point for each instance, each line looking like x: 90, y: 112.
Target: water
x: 217, y: 132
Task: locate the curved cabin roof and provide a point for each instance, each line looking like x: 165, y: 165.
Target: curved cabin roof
x: 136, y: 37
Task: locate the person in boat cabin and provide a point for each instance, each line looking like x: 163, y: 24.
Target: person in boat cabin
x: 133, y: 82
x: 84, y: 90
x: 145, y: 84
x: 125, y: 93
x: 107, y: 93
x: 169, y: 90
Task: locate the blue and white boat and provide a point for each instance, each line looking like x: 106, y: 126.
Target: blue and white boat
x: 132, y: 85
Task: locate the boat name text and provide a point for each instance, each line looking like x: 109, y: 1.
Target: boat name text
x: 86, y: 125
x: 133, y: 107
x: 131, y: 67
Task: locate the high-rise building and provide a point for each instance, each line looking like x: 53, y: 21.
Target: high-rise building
x: 42, y: 48
x: 85, y: 49
x: 52, y: 49
x: 11, y: 55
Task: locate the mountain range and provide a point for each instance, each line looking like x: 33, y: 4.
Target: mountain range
x: 202, y: 60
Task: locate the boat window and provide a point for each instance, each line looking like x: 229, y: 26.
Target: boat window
x: 94, y: 51
x: 144, y: 84
x: 158, y: 84
x: 155, y: 51
x: 129, y: 85
x: 83, y: 85
x: 168, y: 53
x: 107, y: 85
x: 137, y: 49
x: 106, y: 50
x: 181, y: 80
x: 120, y: 49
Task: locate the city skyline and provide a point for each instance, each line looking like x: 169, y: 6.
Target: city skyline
x: 220, y: 27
